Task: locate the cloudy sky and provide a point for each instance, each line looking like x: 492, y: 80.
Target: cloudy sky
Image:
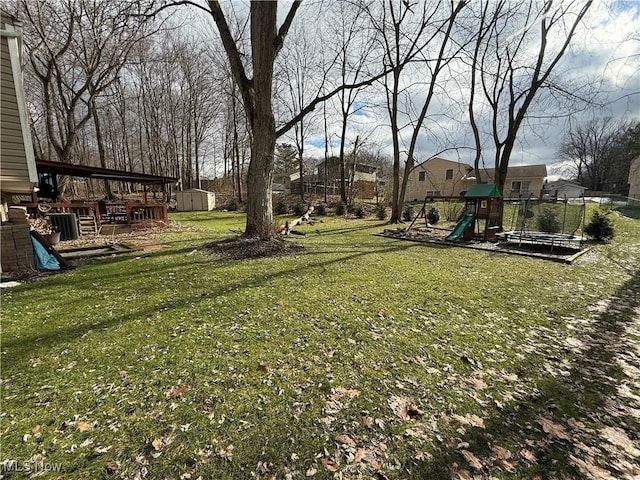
x: 605, y: 58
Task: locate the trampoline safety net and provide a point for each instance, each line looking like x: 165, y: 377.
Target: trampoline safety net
x: 535, y: 215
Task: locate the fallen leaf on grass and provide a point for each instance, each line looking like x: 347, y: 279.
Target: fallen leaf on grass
x: 346, y: 440
x: 591, y: 470
x: 84, y: 426
x: 367, y: 422
x: 503, y: 459
x: 178, y: 390
x: 477, y: 383
x: 226, y: 452
x: 339, y: 392
x: 35, y: 430
x: 553, y: 429
x: 472, y: 460
x: 100, y: 450
x: 528, y: 456
x: 468, y: 419
x: 358, y: 456
x: 619, y: 437
x: 405, y: 408
x: 160, y: 444
x: 329, y: 464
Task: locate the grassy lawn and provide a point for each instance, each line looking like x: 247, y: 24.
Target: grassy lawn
x: 361, y: 357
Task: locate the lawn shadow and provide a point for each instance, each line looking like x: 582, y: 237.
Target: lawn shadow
x: 17, y: 349
x: 582, y: 402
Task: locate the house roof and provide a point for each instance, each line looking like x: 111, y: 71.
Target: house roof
x: 425, y: 163
x: 83, y: 171
x: 520, y: 171
x: 483, y: 190
x: 560, y: 181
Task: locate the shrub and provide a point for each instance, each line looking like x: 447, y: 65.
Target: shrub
x: 233, y: 204
x: 600, y: 227
x: 359, y: 211
x: 407, y: 214
x: 381, y: 211
x: 433, y: 216
x: 547, y: 221
x: 341, y: 208
x: 321, y: 209
x: 281, y: 207
x: 299, y: 209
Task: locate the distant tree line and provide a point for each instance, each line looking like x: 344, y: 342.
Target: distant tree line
x: 210, y: 89
x: 601, y: 151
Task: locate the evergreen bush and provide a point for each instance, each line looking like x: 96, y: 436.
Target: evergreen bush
x: 381, y: 211
x: 407, y: 214
x: 321, y: 209
x: 433, y: 216
x: 341, y: 208
x: 600, y: 227
x: 547, y: 221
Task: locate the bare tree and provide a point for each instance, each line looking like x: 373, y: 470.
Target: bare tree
x: 518, y: 49
x: 420, y: 34
x: 77, y: 50
x: 594, y: 149
x: 303, y: 75
x: 354, y: 53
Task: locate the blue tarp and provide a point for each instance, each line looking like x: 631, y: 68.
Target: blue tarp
x: 44, y: 260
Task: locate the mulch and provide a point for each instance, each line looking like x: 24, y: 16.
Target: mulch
x: 240, y: 248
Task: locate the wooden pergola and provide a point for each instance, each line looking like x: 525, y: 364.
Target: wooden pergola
x: 103, y: 212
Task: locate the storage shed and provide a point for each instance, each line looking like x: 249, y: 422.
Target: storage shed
x: 195, y: 200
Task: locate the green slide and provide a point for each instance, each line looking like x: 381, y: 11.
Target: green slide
x: 459, y: 229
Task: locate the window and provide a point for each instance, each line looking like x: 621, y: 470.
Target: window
x: 521, y: 187
x: 422, y: 176
x: 449, y: 174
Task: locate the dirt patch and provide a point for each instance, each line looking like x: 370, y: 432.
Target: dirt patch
x: 239, y: 248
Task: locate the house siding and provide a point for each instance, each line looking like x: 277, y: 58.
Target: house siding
x: 634, y: 179
x: 530, y: 178
x: 430, y: 179
x: 17, y: 164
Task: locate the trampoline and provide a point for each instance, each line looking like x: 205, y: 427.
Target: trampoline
x: 546, y: 239
x: 537, y: 223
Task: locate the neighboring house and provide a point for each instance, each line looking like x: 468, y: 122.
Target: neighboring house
x: 281, y: 182
x: 440, y: 177
x: 522, y: 180
x: 437, y: 177
x: 364, y: 179
x: 18, y: 174
x: 563, y: 189
x: 634, y: 179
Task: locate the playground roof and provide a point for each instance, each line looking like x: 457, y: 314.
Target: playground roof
x: 483, y: 190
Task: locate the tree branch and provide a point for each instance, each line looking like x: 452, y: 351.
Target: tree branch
x: 284, y: 28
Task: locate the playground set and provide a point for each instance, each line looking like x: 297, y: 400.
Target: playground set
x: 535, y: 223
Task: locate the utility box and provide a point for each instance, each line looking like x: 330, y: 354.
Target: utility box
x: 195, y: 200
x: 66, y: 224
